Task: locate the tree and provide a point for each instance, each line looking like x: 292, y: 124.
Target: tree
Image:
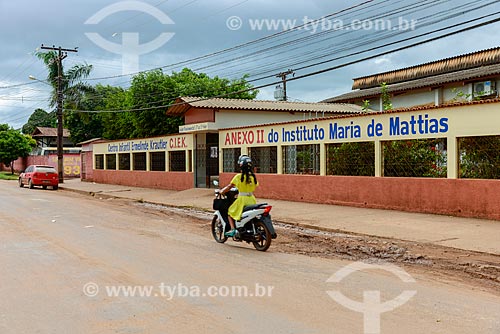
x: 74, y: 90
x: 154, y: 89
x: 72, y: 85
x: 39, y: 118
x: 13, y: 145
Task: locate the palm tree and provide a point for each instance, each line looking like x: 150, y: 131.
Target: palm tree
x: 72, y: 86
x: 75, y: 92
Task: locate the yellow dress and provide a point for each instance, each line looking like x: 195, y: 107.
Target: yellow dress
x: 236, y: 209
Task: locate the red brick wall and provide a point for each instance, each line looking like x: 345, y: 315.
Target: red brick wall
x: 87, y: 169
x: 21, y: 163
x: 50, y: 160
x: 465, y: 198
x: 160, y: 180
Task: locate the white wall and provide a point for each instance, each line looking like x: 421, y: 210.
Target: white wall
x: 230, y: 119
x: 451, y: 93
x: 413, y: 99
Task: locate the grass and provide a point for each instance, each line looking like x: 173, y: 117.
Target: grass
x: 8, y: 176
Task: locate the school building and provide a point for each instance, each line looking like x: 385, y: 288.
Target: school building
x: 436, y: 153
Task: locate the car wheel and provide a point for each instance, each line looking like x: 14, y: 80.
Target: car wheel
x: 55, y: 187
x: 21, y: 183
x: 30, y: 184
x: 44, y: 187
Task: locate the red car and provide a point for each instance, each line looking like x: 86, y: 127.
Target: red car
x: 42, y: 176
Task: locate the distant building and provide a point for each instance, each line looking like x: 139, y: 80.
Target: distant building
x: 46, y: 140
x: 473, y: 76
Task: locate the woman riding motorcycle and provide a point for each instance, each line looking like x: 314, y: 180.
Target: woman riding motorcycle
x: 246, y: 182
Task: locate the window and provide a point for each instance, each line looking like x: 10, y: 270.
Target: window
x: 124, y: 161
x: 110, y: 161
x: 177, y: 161
x: 265, y: 159
x: 351, y: 159
x: 415, y: 158
x: 301, y: 159
x: 479, y: 158
x: 139, y: 161
x: 46, y: 170
x: 230, y: 160
x: 99, y: 161
x: 157, y: 161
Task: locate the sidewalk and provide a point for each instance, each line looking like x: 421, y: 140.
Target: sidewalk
x: 462, y: 233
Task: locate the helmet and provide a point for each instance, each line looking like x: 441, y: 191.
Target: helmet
x: 244, y: 161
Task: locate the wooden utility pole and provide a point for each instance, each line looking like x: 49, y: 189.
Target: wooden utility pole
x: 61, y: 54
x: 283, y: 76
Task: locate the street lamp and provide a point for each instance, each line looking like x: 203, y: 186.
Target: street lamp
x: 60, y: 164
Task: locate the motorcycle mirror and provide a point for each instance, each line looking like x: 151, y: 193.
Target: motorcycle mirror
x: 216, y: 183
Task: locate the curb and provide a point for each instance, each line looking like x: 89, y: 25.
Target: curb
x: 294, y: 224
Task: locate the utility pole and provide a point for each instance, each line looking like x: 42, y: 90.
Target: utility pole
x: 61, y: 54
x: 283, y: 76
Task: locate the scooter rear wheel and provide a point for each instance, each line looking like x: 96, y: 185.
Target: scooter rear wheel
x: 263, y: 237
x: 218, y: 230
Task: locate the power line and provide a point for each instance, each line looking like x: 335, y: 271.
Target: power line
x: 364, y: 50
x: 310, y: 59
x: 308, y: 74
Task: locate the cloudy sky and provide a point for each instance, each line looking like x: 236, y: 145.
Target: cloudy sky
x: 173, y: 33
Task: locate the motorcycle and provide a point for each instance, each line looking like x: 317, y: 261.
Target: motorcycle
x: 255, y: 225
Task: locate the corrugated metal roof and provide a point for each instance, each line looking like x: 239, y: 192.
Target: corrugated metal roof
x: 280, y: 106
x: 48, y: 132
x: 435, y: 81
x: 448, y: 65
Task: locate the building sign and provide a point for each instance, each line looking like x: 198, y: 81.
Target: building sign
x: 197, y: 127
x: 167, y: 143
x: 339, y: 130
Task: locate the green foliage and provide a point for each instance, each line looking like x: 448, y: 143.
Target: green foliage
x: 40, y: 118
x: 479, y: 157
x: 307, y: 159
x: 156, y: 88
x: 149, y: 90
x: 84, y: 126
x: 351, y: 159
x: 6, y: 176
x: 460, y: 95
x: 366, y: 105
x: 386, y: 97
x: 74, y: 92
x: 304, y: 159
x: 415, y: 158
x: 71, y: 83
x: 13, y: 145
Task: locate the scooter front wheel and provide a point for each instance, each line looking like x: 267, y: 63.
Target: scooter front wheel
x: 262, y: 238
x: 218, y: 230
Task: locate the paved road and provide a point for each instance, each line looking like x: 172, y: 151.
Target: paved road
x: 59, y: 248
